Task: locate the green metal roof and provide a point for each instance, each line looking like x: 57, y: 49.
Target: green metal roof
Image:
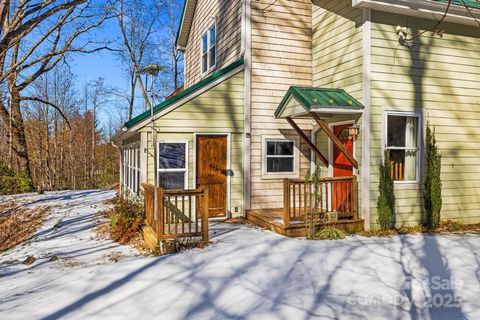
x: 326, y: 98
x: 185, y: 93
x: 468, y: 3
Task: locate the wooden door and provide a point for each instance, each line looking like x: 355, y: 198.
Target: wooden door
x: 212, y: 172
x: 342, y: 168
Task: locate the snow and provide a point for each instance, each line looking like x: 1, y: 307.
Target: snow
x: 246, y: 273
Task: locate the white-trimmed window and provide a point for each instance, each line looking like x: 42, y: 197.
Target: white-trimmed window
x: 402, y: 142
x: 131, y: 168
x: 172, y: 165
x: 279, y: 156
x: 209, y: 49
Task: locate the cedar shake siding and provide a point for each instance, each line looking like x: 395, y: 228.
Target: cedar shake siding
x: 281, y: 44
x: 227, y: 15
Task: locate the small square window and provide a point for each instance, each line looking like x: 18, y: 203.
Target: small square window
x: 280, y: 156
x: 402, y: 144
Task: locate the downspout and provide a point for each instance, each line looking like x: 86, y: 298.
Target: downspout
x: 246, y: 54
x: 366, y: 97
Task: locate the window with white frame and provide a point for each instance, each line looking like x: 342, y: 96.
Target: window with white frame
x: 280, y: 156
x: 209, y: 49
x: 172, y: 165
x: 402, y: 143
x: 131, y: 168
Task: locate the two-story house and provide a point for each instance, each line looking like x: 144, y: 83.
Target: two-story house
x: 273, y: 88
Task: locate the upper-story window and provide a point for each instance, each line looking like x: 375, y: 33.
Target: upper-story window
x: 209, y: 49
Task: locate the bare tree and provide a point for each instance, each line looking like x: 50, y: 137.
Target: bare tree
x: 172, y: 77
x: 35, y: 37
x: 99, y: 96
x: 138, y: 21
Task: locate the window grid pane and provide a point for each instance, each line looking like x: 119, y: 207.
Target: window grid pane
x: 172, y: 156
x: 213, y: 36
x: 213, y: 56
x: 171, y: 180
x: 280, y: 148
x: 204, y: 43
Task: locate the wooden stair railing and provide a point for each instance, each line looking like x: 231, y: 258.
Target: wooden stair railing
x: 181, y: 213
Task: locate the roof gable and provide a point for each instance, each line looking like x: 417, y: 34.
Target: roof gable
x: 185, y: 25
x: 185, y: 93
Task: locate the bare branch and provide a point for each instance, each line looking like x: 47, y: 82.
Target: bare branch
x: 37, y: 99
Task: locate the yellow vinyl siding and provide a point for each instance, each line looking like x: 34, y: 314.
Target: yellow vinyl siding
x: 227, y: 14
x: 337, y: 46
x: 281, y: 44
x: 438, y: 77
x: 218, y: 110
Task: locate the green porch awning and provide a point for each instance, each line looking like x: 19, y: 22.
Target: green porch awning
x: 468, y: 3
x: 301, y: 101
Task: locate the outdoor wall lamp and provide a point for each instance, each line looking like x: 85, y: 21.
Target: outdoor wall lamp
x: 353, y: 131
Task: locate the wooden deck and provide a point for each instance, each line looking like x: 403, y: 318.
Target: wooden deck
x: 272, y: 219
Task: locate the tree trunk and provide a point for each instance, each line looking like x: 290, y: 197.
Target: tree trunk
x: 92, y: 155
x: 18, y: 133
x: 131, y: 99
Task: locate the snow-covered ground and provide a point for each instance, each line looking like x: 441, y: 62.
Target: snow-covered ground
x: 246, y: 273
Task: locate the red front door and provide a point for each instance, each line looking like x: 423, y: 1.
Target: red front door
x: 342, y: 168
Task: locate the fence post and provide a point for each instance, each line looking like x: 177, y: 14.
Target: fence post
x: 160, y: 223
x: 286, y: 202
x: 205, y: 216
x: 355, y: 197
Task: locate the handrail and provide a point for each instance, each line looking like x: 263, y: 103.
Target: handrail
x: 181, y: 213
x: 338, y: 195
x: 326, y: 179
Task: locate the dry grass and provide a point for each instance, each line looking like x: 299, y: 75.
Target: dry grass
x: 18, y: 223
x: 105, y: 230
x: 447, y: 226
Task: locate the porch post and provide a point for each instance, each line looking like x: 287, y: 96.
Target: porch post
x: 286, y: 202
x: 355, y: 197
x: 310, y: 144
x: 334, y: 138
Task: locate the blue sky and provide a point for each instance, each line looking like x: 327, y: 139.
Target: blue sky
x: 105, y: 64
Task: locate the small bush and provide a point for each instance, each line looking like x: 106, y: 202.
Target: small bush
x: 13, y: 182
x: 432, y: 192
x: 126, y: 218
x: 331, y: 233
x: 386, y: 199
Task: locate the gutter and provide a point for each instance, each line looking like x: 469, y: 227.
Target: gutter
x: 427, y: 9
x: 245, y: 52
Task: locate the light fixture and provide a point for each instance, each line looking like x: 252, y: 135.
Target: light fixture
x: 353, y: 131
x: 151, y: 69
